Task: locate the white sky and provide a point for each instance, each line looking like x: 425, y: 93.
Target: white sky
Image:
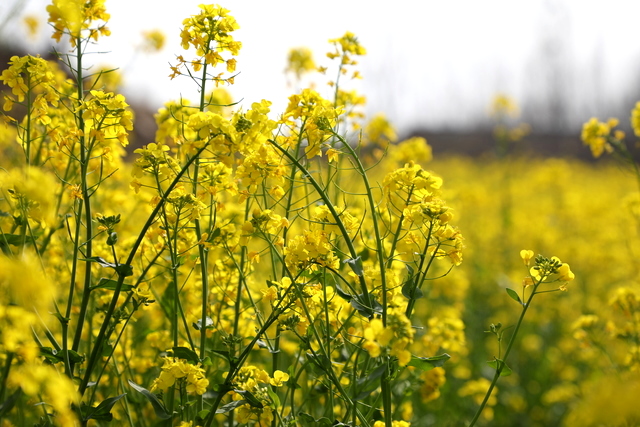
x: 436, y: 63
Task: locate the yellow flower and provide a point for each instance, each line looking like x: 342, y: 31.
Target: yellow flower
x: 279, y: 378
x: 595, y: 134
x: 526, y: 256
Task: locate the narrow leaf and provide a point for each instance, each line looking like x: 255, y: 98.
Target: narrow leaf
x: 514, y: 295
x: 158, y: 406
x: 250, y: 398
x: 428, y: 363
x: 102, y: 412
x: 111, y: 285
x: 230, y: 406
x: 103, y: 262
x: 506, y: 370
x: 8, y: 404
x: 356, y: 265
x: 342, y: 294
x: 185, y: 353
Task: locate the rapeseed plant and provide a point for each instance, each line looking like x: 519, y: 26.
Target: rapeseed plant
x: 242, y: 269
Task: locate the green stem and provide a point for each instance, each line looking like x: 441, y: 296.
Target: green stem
x: 95, y: 353
x: 85, y: 155
x: 502, y: 364
x: 5, y: 375
x: 343, y: 230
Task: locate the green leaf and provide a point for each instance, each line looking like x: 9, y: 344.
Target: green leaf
x: 230, y: 406
x: 250, y: 398
x: 506, y: 370
x: 124, y: 270
x: 410, y: 290
x: 307, y: 419
x: 342, y: 294
x: 356, y: 266
x: 428, y: 363
x: 201, y: 416
x: 360, y: 307
x: 274, y: 397
x: 304, y: 417
x: 102, y: 412
x: 223, y: 354
x: 514, y: 295
x: 54, y: 356
x: 370, y: 383
x: 158, y: 406
x: 103, y: 262
x: 186, y: 353
x: 320, y: 361
x: 8, y: 404
x: 111, y: 285
x: 15, y: 239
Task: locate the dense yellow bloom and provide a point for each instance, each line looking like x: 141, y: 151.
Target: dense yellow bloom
x: 75, y: 17
x: 317, y: 115
x: 346, y: 47
x: 209, y: 33
x: 180, y: 370
x: 44, y: 382
x: 259, y: 165
x: 27, y: 73
x: 380, y: 131
x: 107, y: 117
x: 30, y: 193
x: 394, y: 338
x: 431, y: 382
x: 310, y: 250
x: 595, y: 134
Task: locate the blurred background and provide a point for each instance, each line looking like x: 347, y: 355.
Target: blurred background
x: 431, y: 67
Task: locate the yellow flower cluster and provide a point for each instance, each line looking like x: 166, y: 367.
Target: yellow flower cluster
x: 597, y: 135
x: 29, y: 73
x: 300, y: 61
x: 310, y: 250
x: 393, y: 339
x: 209, y: 33
x: 317, y: 117
x: 549, y: 270
x: 107, y: 117
x: 324, y: 219
x: 257, y: 381
x: 431, y: 382
x: 74, y: 17
x: 264, y: 222
x: 346, y: 47
x: 187, y: 375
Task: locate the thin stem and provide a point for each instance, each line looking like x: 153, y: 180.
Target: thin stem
x: 102, y: 334
x: 502, y: 364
